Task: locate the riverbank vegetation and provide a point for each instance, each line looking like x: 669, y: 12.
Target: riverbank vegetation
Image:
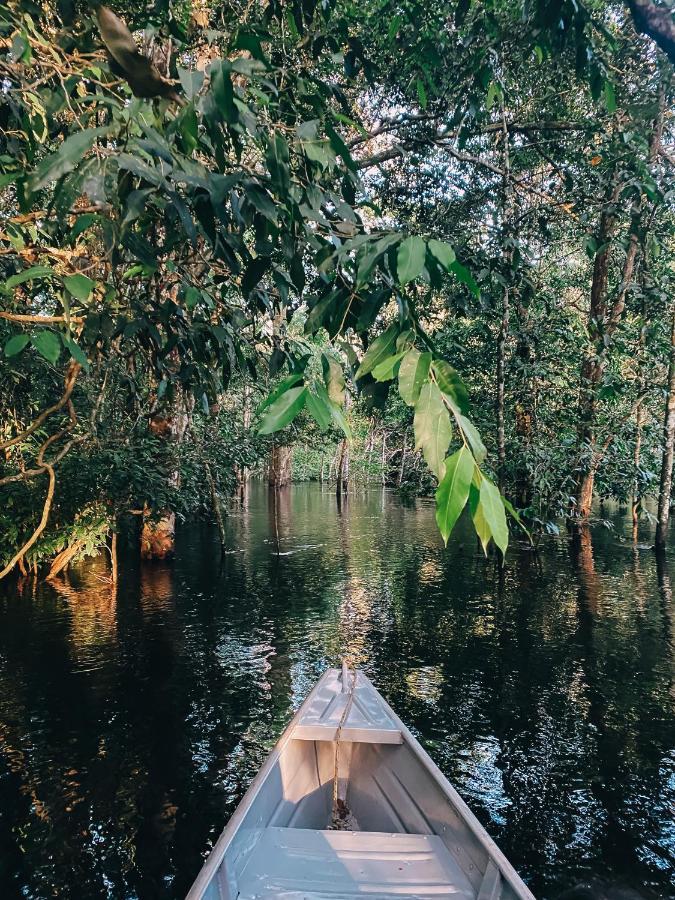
x: 428, y: 245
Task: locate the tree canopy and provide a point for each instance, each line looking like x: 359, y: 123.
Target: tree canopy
x: 332, y: 201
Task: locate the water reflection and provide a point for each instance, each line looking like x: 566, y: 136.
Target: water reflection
x: 130, y: 724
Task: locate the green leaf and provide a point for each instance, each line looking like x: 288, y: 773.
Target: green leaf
x: 478, y: 517
x: 66, y: 158
x: 284, y: 409
x: 387, y: 369
x: 318, y: 406
x: 463, y: 275
x: 76, y: 352
x: 47, y: 344
x: 410, y: 260
x: 79, y: 286
x: 453, y: 491
x: 262, y: 201
x: 450, y: 383
x: 412, y: 374
x: 280, y: 389
x: 34, y: 272
x: 421, y: 93
x: 442, y: 253
x: 341, y: 421
x: 334, y: 379
x: 515, y: 516
x: 495, y: 515
x: 378, y: 350
x: 432, y: 428
x: 610, y: 97
x: 473, y: 437
x: 190, y: 80
x: 16, y: 344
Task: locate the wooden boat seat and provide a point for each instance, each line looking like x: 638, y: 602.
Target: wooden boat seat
x: 299, y: 863
x: 368, y: 719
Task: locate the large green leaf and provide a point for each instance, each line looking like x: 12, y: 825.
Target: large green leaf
x: 450, y: 383
x: 412, y: 374
x: 473, y: 437
x: 479, y: 520
x: 334, y: 379
x: 388, y: 368
x: 410, y: 260
x: 280, y: 389
x: 432, y: 428
x: 495, y: 515
x: 319, y: 405
x: 34, y: 272
x: 442, y: 253
x: 16, y: 344
x: 47, y: 344
x: 76, y: 352
x: 462, y: 273
x: 283, y: 410
x: 453, y: 490
x: 79, y: 286
x: 378, y: 350
x: 66, y: 158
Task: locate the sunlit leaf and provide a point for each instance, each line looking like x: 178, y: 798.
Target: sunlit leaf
x: 453, y: 490
x: 432, y: 428
x: 79, y: 286
x: 284, y: 409
x: 388, y: 368
x: 412, y: 374
x: 379, y: 349
x: 410, y: 260
x: 495, y: 515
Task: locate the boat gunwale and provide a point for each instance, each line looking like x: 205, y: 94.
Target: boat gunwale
x: 217, y: 853
x: 494, y: 853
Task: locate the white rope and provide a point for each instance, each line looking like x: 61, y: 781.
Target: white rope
x: 338, y: 736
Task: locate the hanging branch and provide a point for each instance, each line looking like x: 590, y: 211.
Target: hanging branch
x: 46, y: 509
x: 69, y: 382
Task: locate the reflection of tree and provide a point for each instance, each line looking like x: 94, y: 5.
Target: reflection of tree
x: 666, y: 595
x: 544, y: 691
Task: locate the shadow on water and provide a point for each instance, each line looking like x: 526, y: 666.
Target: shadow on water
x: 130, y: 725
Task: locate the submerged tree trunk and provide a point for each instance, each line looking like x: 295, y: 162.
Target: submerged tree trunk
x: 280, y: 466
x: 159, y: 527
x: 342, y: 484
x: 666, y: 482
x: 636, y: 501
x: 402, y: 467
x: 591, y: 370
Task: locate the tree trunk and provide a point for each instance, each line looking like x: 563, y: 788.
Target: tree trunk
x: 402, y: 468
x: 244, y: 472
x: 280, y: 466
x: 384, y: 456
x: 636, y: 503
x: 602, y: 323
x: 342, y: 484
x: 159, y: 532
x: 591, y: 371
x: 666, y: 483
x: 507, y: 254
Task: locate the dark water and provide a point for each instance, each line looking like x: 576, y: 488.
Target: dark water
x: 131, y: 726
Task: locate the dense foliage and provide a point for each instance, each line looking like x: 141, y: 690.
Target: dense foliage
x: 231, y: 227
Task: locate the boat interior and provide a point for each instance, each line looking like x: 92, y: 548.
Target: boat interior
x: 398, y: 829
